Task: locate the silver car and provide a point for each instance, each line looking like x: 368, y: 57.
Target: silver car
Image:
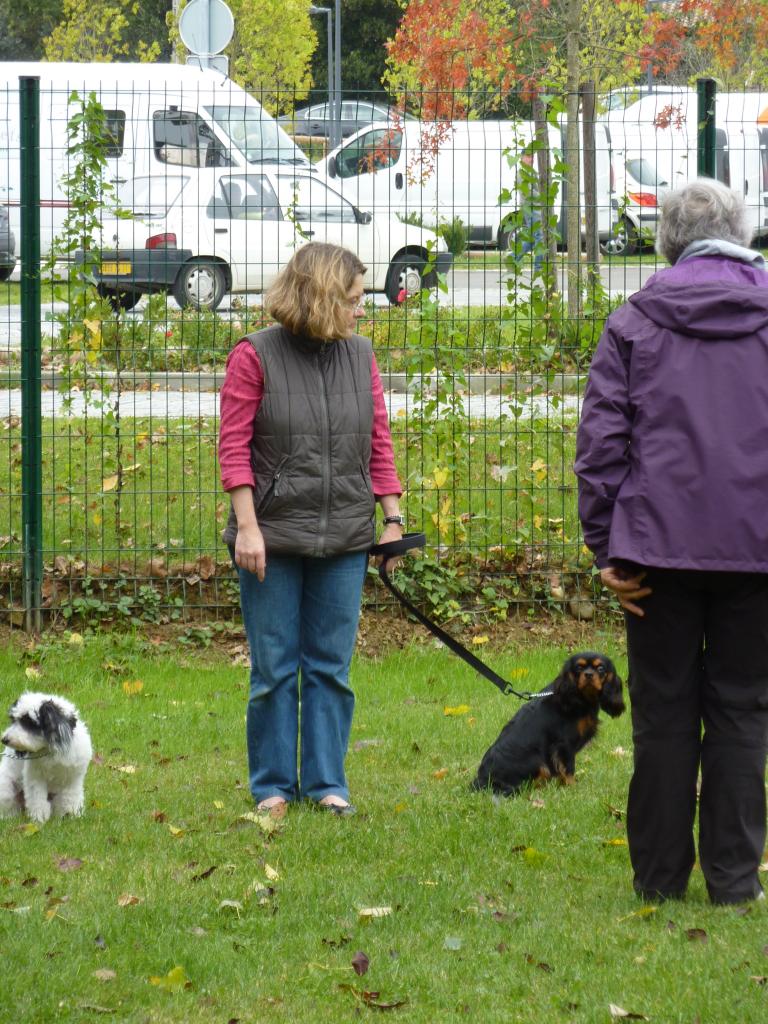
x: 7, y: 246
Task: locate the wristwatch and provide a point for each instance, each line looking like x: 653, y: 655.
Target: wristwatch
x: 399, y: 519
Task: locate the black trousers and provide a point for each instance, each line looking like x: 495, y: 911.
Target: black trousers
x: 698, y: 683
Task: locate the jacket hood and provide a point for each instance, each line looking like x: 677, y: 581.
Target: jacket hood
x: 707, y: 297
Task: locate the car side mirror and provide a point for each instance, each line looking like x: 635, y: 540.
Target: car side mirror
x: 332, y: 167
x: 363, y: 216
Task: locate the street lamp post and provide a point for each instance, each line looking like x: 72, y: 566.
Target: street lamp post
x: 329, y: 15
x: 336, y: 132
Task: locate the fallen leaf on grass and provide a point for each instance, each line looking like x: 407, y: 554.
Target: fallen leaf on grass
x: 105, y: 974
x: 759, y: 979
x: 267, y: 824
x: 360, y: 963
x: 128, y: 900
x: 440, y: 773
x: 364, y: 744
x: 697, y: 934
x: 30, y: 829
x: 460, y: 709
x: 233, y: 906
x: 132, y: 686
x: 174, y: 981
x: 204, y: 874
x: 271, y: 873
x: 176, y: 831
x: 126, y: 769
x: 94, y: 1008
x: 369, y: 913
x: 646, y: 911
x: 620, y: 1014
x: 69, y: 864
x: 614, y: 842
x: 372, y: 998
x: 547, y: 968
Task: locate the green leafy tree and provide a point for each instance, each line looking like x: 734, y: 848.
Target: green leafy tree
x: 25, y: 24
x: 366, y: 25
x: 108, y: 30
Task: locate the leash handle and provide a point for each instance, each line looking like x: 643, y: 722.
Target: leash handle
x: 418, y: 540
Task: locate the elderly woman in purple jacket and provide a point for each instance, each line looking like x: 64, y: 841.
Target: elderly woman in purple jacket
x: 672, y: 463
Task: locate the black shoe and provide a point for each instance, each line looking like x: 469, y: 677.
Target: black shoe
x: 340, y: 810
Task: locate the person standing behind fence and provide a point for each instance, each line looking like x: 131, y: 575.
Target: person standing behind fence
x: 532, y: 236
x: 672, y: 464
x: 305, y: 453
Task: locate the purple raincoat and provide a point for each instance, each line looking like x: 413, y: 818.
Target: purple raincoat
x: 672, y: 446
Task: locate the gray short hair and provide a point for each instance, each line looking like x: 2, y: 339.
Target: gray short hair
x: 702, y: 210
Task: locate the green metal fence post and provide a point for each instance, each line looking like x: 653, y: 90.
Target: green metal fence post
x: 706, y: 89
x: 31, y: 415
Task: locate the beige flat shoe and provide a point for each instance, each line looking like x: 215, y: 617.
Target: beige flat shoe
x: 274, y: 806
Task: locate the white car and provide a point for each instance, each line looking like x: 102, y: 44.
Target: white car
x: 216, y: 231
x: 638, y: 184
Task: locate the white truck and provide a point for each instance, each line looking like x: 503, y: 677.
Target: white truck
x: 455, y: 170
x: 162, y: 119
x: 659, y: 132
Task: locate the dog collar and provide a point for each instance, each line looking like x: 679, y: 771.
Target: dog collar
x: 26, y: 755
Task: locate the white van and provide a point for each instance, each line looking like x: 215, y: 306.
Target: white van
x: 160, y: 117
x: 395, y: 169
x: 663, y: 131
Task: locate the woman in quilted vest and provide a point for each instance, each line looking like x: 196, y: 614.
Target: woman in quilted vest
x: 305, y: 454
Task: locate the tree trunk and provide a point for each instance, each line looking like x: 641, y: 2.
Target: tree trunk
x: 590, y: 181
x: 571, y: 155
x: 544, y: 168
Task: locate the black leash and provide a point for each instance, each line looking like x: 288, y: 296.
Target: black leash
x: 401, y: 547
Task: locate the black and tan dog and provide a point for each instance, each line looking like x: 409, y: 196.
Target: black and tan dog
x: 542, y: 740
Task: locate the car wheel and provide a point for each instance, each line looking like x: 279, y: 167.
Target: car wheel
x: 5, y: 273
x: 119, y: 299
x: 623, y: 240
x: 200, y: 284
x: 405, y: 278
x: 503, y: 239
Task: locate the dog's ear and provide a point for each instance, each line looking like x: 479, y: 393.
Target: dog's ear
x: 566, y: 687
x: 57, y: 726
x: 611, y: 696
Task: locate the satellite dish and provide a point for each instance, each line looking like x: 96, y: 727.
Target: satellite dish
x: 206, y: 26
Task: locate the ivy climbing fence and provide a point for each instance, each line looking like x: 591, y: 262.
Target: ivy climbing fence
x: 145, y: 217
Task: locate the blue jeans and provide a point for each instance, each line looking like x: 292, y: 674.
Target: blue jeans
x: 532, y: 228
x: 301, y: 622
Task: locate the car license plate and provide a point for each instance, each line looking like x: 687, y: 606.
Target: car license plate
x: 122, y: 267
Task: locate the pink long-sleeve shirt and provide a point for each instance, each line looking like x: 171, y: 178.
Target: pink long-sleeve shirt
x: 239, y: 401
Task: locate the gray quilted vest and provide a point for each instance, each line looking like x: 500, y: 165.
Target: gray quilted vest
x: 311, y: 446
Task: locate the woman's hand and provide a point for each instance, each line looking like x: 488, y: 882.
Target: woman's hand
x: 391, y: 532
x: 250, y: 552
x: 627, y: 589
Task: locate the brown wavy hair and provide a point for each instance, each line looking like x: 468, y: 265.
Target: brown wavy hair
x: 309, y: 296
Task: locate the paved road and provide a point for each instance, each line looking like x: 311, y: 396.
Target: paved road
x: 465, y: 287
x: 160, y: 405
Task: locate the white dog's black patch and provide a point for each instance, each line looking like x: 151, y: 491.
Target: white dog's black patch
x: 48, y: 750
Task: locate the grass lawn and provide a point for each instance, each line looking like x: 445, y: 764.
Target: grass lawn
x: 164, y: 904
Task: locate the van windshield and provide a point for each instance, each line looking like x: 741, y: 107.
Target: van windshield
x: 256, y: 134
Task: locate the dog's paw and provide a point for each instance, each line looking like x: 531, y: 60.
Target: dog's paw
x: 39, y: 813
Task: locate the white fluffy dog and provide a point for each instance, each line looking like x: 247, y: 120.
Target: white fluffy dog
x: 48, y: 752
